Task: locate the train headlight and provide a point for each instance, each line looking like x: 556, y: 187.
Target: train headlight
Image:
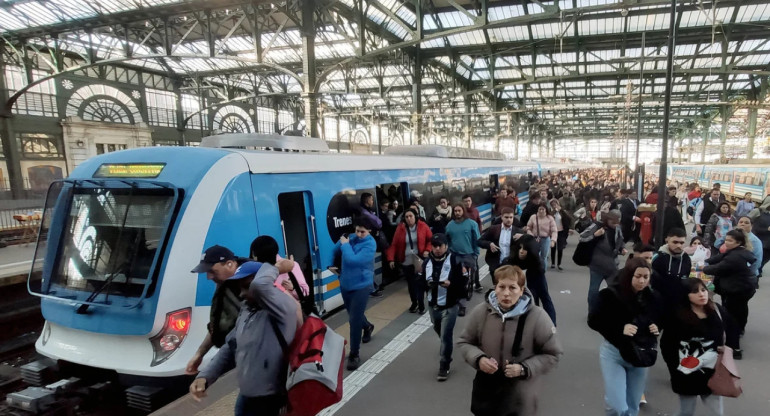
x: 171, y: 336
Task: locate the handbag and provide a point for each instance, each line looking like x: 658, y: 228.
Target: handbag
x: 725, y: 381
x: 585, y: 251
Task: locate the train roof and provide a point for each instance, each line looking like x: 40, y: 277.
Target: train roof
x: 272, y: 162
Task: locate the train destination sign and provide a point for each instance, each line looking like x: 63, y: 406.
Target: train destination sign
x: 129, y: 170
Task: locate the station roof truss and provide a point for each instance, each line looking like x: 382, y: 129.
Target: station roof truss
x: 559, y: 68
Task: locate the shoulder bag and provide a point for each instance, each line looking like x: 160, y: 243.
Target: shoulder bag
x: 725, y: 381
x: 585, y: 251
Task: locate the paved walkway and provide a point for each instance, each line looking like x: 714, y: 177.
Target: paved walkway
x: 407, y: 386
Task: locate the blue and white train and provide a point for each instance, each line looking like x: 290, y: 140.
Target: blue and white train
x: 735, y: 180
x: 121, y: 234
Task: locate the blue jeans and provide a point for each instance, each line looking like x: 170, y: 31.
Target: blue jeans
x: 623, y: 383
x: 444, y: 324
x: 259, y: 406
x: 355, y: 304
x: 593, y: 287
x: 545, y: 250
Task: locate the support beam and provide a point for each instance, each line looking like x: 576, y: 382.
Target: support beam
x: 752, y: 130
x: 467, y: 134
x: 309, y: 96
x: 9, y: 143
x: 417, y: 97
x: 706, y: 136
x: 725, y: 112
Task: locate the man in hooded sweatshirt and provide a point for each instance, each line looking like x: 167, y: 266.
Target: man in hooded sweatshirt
x: 670, y: 266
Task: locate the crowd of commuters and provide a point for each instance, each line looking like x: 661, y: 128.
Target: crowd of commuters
x: 650, y: 296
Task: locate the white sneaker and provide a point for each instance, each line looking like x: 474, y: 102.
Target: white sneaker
x: 643, y: 400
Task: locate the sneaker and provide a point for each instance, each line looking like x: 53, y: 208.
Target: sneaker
x: 553, y: 267
x: 376, y: 294
x: 443, y: 374
x: 421, y: 310
x: 413, y: 308
x: 478, y: 288
x: 560, y: 268
x: 643, y: 400
x: 738, y: 354
x: 461, y: 311
x: 367, y: 334
x: 353, y: 362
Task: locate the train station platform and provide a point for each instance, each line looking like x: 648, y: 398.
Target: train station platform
x: 15, y: 262
x: 399, y: 366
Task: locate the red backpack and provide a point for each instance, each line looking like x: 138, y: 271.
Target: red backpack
x: 315, y: 360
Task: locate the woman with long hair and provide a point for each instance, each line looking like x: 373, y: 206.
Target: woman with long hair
x: 524, y: 255
x: 410, y: 246
x: 543, y: 227
x: 563, y: 229
x: 627, y: 315
x: 694, y: 334
x: 587, y: 214
x: 734, y: 280
x: 717, y: 227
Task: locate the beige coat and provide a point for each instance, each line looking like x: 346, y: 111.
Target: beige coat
x: 487, y: 333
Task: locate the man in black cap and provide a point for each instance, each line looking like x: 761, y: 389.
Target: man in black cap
x: 219, y: 264
x: 446, y: 285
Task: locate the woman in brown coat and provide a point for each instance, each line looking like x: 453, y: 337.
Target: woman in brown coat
x: 511, y: 343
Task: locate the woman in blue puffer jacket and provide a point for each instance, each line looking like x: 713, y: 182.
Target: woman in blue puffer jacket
x: 356, y: 282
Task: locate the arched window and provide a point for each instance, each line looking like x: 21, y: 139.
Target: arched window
x: 232, y: 119
x: 103, y: 103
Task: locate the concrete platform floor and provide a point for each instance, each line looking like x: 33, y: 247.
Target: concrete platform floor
x: 407, y: 385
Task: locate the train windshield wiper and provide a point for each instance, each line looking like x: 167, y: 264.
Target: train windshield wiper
x: 83, y: 308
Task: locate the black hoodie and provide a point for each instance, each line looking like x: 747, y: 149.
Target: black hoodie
x: 669, y: 271
x: 732, y: 272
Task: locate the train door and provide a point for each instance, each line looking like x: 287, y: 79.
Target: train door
x: 298, y: 225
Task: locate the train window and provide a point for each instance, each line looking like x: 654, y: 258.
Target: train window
x: 110, y: 241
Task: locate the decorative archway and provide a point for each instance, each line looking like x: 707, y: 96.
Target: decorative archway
x: 103, y: 103
x: 233, y: 119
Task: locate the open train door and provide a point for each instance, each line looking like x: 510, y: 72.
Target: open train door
x: 300, y: 239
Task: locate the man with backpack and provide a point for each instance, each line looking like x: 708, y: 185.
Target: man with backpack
x: 253, y: 347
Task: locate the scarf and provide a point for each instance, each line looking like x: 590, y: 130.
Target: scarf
x: 444, y: 211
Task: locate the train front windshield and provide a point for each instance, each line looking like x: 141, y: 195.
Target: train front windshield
x: 108, y: 243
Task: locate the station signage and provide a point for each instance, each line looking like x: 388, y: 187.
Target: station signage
x: 129, y: 170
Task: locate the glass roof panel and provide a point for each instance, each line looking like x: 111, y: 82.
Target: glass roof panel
x: 509, y: 34
x: 600, y: 26
x: 753, y: 13
x: 37, y: 13
x: 505, y: 12
x: 650, y: 22
x: 474, y: 37
x: 455, y: 19
x: 692, y: 18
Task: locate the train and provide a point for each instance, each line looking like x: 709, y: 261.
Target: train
x: 735, y: 179
x: 120, y: 235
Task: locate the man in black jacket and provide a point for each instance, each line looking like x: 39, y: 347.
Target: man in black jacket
x: 498, y: 240
x: 446, y: 285
x: 671, y: 265
x: 627, y: 213
x: 531, y: 208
